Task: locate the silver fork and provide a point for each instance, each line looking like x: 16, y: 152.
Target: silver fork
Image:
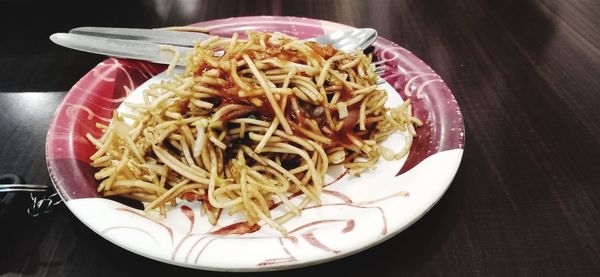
x: 144, y: 44
x: 379, y: 70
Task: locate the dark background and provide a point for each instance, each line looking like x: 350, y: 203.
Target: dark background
x: 525, y: 200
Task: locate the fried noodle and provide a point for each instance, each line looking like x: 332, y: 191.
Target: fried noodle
x: 248, y: 123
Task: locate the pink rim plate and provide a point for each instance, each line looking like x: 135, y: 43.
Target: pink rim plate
x: 93, y: 99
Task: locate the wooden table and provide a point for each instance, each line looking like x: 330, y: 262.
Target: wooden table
x: 525, y: 201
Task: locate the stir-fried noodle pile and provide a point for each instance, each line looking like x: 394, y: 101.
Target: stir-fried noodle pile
x: 250, y: 122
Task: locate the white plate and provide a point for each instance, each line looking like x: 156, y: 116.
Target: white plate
x: 357, y: 212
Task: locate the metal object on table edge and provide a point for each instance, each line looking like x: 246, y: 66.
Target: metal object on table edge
x: 43, y: 198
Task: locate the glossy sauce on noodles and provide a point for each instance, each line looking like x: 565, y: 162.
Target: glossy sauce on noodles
x: 230, y: 95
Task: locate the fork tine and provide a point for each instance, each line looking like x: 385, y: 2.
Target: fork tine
x: 379, y: 70
x: 378, y: 63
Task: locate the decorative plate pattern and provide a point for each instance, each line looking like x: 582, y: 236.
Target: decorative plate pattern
x: 357, y: 212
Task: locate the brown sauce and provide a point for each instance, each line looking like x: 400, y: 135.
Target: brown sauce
x: 266, y: 112
x: 345, y: 94
x: 324, y: 51
x: 202, y: 68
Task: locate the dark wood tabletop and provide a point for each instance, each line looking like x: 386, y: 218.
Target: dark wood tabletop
x: 526, y: 74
